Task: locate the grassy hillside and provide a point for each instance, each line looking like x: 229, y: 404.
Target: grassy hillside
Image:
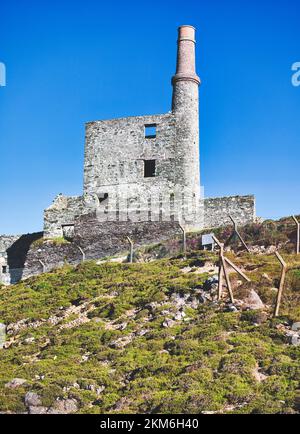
x: 143, y: 338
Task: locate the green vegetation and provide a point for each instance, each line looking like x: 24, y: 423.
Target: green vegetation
x: 95, y: 333
x: 56, y: 241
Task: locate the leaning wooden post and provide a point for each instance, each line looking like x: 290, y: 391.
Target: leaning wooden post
x: 281, y: 285
x: 238, y: 234
x: 81, y: 251
x: 298, y: 235
x: 131, y: 250
x: 220, y: 277
x: 237, y: 269
x: 226, y: 274
x: 223, y: 269
x: 183, y: 239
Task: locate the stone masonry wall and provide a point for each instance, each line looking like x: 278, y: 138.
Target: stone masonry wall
x: 115, y: 151
x: 115, y: 154
x: 217, y: 210
x: 5, y: 242
x: 14, y: 249
x: 62, y: 211
x: 97, y: 241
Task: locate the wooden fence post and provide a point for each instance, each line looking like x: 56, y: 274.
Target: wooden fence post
x: 131, y: 250
x: 183, y: 239
x: 281, y: 285
x: 221, y: 253
x: 224, y: 270
x: 82, y: 252
x: 238, y: 234
x: 226, y: 274
x: 298, y: 235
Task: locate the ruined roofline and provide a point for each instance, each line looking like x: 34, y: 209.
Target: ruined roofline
x: 168, y: 114
x: 232, y: 196
x: 16, y: 235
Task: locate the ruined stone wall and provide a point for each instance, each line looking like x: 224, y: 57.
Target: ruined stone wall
x: 62, y: 211
x: 115, y: 151
x: 5, y: 242
x: 97, y: 241
x: 217, y: 210
x: 52, y: 256
x: 14, y: 249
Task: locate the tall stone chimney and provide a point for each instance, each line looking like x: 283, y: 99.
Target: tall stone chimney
x: 185, y: 65
x: 185, y: 106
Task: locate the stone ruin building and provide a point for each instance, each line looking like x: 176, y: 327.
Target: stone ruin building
x: 141, y: 179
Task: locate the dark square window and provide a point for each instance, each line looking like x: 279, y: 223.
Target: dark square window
x: 149, y: 168
x: 4, y: 269
x: 102, y: 197
x: 150, y: 131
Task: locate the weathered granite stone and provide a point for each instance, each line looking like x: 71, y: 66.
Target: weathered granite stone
x: 218, y: 209
x: 32, y: 399
x: 253, y: 301
x: 15, y: 382
x: 37, y: 409
x: 64, y: 406
x: 2, y: 335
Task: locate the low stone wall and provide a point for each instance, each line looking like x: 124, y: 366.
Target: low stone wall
x: 52, y: 256
x: 217, y: 210
x: 63, y: 211
x: 14, y: 248
x: 105, y: 239
x: 97, y: 240
x: 6, y: 241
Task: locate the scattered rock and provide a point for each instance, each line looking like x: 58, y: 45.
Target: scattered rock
x: 32, y: 399
x: 168, y: 322
x: 142, y: 332
x: 179, y: 300
x: 39, y: 377
x: 293, y: 338
x: 29, y: 340
x: 259, y: 376
x: 2, y: 335
x: 15, y: 328
x: 194, y: 303
x: 259, y: 317
x: 186, y: 270
x: 179, y: 315
x: 232, y: 308
x: 263, y: 250
x: 15, y: 382
x: 252, y: 301
x: 123, y: 341
x: 64, y: 406
x: 296, y: 327
x: 85, y: 357
x: 211, y: 283
x: 37, y: 410
x: 99, y: 390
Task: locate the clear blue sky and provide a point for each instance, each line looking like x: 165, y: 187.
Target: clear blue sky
x: 69, y: 62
